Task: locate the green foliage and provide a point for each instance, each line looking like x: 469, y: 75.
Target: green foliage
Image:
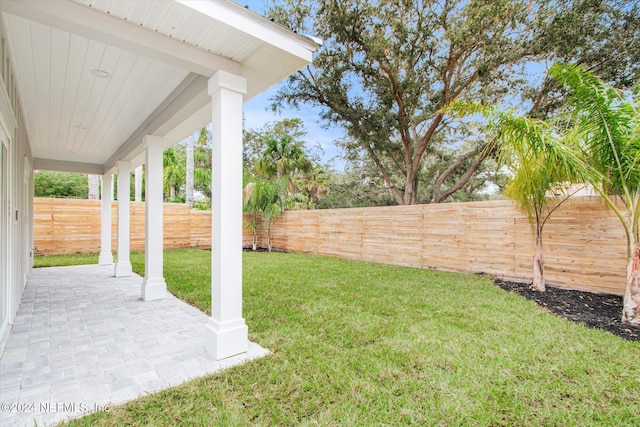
x: 264, y: 201
x: 600, y: 36
x: 356, y: 187
x: 596, y: 139
x: 277, y: 151
x: 174, y: 173
x: 315, y: 183
x: 283, y: 158
x: 64, y: 260
x: 541, y: 161
x: 60, y: 184
x: 387, y: 68
x: 607, y: 125
x: 202, y: 163
x: 255, y: 141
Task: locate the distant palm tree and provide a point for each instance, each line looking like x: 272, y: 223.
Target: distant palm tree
x: 315, y: 183
x: 283, y: 158
x: 173, y: 173
x: 262, y: 198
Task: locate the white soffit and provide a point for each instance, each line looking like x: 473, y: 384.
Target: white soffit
x: 266, y: 52
x: 153, y: 52
x: 72, y: 114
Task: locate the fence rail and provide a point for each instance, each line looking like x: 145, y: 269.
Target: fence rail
x: 584, y: 242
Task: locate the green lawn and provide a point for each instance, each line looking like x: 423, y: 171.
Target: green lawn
x: 354, y: 343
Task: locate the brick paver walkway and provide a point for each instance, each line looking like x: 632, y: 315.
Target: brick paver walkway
x: 83, y: 339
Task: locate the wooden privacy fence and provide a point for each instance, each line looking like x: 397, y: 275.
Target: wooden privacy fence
x: 584, y: 242
x: 63, y: 226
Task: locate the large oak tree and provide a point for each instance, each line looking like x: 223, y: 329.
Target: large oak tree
x: 388, y: 68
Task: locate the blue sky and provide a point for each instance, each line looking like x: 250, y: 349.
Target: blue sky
x: 319, y: 140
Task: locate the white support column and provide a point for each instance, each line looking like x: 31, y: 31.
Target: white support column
x: 153, y: 285
x: 106, y: 256
x: 123, y: 266
x: 227, y: 333
x: 138, y: 184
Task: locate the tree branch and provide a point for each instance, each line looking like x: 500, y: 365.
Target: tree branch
x: 484, y: 153
x: 385, y: 175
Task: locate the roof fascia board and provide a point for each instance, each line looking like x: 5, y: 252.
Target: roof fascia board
x: 65, y: 166
x: 256, y: 26
x: 93, y: 24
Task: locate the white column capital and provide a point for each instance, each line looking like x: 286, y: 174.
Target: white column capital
x: 226, y: 80
x: 154, y: 141
x: 123, y: 165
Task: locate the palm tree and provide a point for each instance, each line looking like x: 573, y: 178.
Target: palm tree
x: 542, y: 166
x: 315, y: 183
x: 283, y: 158
x: 173, y: 173
x: 251, y: 204
x: 608, y: 126
x: 262, y: 198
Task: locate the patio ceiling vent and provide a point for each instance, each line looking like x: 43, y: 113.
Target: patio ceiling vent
x: 101, y: 73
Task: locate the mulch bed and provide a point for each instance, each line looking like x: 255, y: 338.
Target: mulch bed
x: 601, y: 311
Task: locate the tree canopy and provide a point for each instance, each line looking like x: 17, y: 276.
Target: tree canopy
x: 60, y: 184
x: 387, y: 68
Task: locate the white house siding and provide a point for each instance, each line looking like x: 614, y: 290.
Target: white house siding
x: 16, y: 197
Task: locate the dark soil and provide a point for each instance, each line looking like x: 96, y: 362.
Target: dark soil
x: 601, y: 311
x: 249, y: 249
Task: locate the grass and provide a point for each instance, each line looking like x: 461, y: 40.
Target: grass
x: 355, y: 343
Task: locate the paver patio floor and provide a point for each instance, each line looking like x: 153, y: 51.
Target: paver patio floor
x: 84, y: 339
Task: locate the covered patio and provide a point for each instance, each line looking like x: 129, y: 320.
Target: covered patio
x: 104, y: 87
x: 83, y: 340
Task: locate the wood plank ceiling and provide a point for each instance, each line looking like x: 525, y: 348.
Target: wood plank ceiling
x: 94, y: 76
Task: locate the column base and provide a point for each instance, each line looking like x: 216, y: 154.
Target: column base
x: 226, y: 340
x: 123, y: 269
x: 153, y: 289
x: 105, y: 259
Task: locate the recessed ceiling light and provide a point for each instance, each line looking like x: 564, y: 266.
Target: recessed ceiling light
x: 101, y: 73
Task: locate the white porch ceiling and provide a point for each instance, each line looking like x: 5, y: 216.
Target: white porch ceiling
x: 159, y: 55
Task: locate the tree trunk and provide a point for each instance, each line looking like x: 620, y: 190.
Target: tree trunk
x: 94, y: 187
x: 269, y: 237
x: 631, y: 307
x: 292, y: 187
x: 538, y: 265
x: 138, y: 184
x: 172, y: 193
x: 190, y: 171
x: 410, y: 188
x: 254, y: 244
